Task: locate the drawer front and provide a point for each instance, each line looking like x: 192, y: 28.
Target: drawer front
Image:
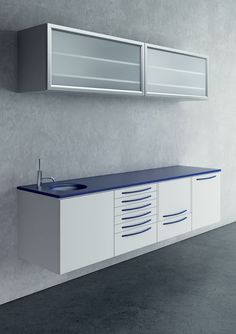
x: 174, y: 198
x: 143, y: 213
x: 135, y: 238
x: 136, y: 190
x: 135, y: 223
x: 133, y: 200
x: 173, y: 227
x: 134, y: 208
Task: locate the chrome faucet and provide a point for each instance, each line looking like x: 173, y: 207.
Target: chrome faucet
x: 40, y: 177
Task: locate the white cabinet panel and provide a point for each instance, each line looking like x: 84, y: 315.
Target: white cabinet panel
x: 86, y: 230
x: 174, y: 197
x: 135, y: 238
x: 205, y: 200
x: 173, y: 72
x: 173, y: 227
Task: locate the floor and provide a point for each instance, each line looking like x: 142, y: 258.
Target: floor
x: 186, y: 288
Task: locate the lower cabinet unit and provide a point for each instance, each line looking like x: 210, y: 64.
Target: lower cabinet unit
x: 205, y: 200
x: 135, y: 218
x: 67, y: 233
x: 173, y: 227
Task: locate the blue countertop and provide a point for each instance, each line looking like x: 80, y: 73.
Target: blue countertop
x: 114, y: 181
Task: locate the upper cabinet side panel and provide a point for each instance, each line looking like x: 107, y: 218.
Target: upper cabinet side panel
x: 32, y: 59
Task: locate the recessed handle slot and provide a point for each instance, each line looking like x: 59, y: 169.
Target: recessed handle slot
x: 137, y: 207
x: 175, y: 214
x: 174, y: 222
x: 130, y: 234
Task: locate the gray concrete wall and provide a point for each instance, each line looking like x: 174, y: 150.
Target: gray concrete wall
x: 79, y: 135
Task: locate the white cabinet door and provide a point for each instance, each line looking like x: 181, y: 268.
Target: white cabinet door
x: 174, y: 198
x: 205, y: 200
x: 86, y: 230
x: 174, y: 72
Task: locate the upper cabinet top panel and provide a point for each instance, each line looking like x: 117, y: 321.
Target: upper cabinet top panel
x: 175, y: 73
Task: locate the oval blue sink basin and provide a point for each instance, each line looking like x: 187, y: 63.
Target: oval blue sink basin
x: 67, y: 187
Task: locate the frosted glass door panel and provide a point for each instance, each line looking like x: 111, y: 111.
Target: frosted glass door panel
x: 175, y: 60
x: 174, y: 73
x: 93, y: 62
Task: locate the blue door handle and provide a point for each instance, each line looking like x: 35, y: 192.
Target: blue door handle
x: 175, y: 214
x: 130, y: 234
x: 137, y: 207
x: 136, y: 200
x: 143, y: 214
x: 135, y: 191
x: 206, y: 178
x: 176, y: 221
x: 138, y: 224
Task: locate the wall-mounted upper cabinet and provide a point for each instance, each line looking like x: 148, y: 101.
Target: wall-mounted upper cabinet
x: 170, y: 72
x: 53, y: 57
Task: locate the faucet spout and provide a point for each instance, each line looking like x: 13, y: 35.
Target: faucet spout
x: 40, y: 177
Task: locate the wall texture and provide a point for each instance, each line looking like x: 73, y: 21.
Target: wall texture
x: 80, y: 135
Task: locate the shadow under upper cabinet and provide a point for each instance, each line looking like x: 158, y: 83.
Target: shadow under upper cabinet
x: 52, y: 57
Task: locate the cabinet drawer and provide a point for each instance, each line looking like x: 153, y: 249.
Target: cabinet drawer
x: 135, y: 199
x: 134, y: 208
x: 135, y: 223
x: 136, y: 190
x: 134, y: 239
x: 174, y: 198
x: 144, y: 213
x: 173, y: 227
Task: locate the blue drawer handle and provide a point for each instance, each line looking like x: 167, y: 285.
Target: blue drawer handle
x: 146, y: 221
x: 206, y: 178
x: 177, y: 221
x: 135, y: 191
x: 175, y: 214
x: 136, y: 200
x: 138, y: 207
x: 144, y: 214
x: 130, y: 234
